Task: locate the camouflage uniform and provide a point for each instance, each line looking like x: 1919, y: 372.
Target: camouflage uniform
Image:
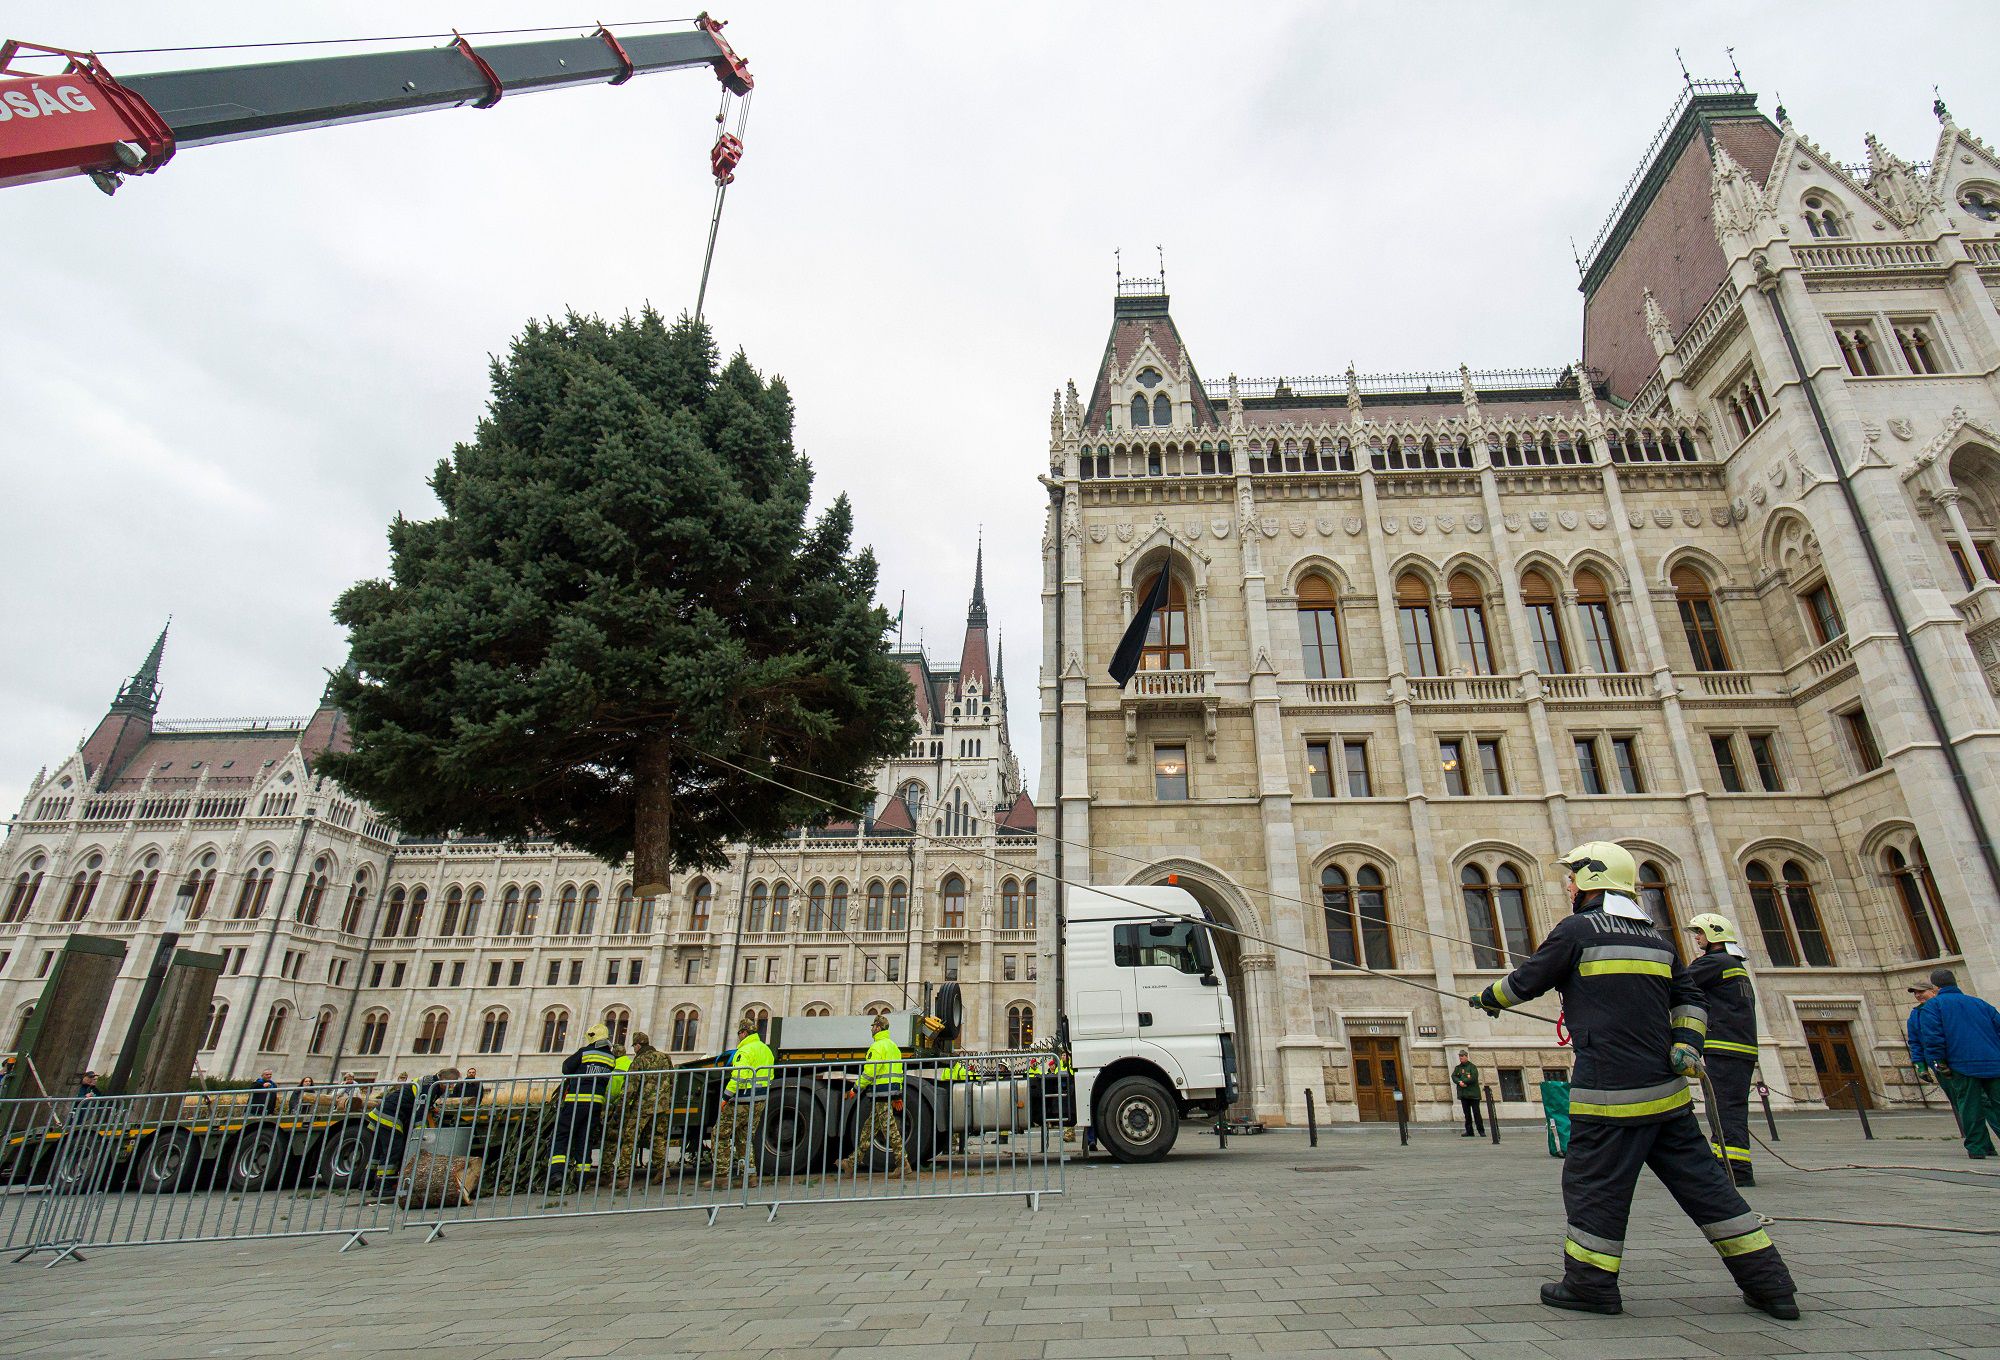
x: 644, y: 1112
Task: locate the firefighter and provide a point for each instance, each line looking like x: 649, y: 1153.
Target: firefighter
x: 735, y: 1128
x: 1638, y: 1024
x: 402, y: 1107
x: 1730, y: 1047
x: 881, y: 1081
x: 645, y: 1100
x: 586, y: 1075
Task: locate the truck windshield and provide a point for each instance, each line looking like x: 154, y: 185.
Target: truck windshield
x: 1149, y: 946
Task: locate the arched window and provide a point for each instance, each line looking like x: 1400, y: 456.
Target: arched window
x: 144, y: 879
x: 836, y: 906
x: 430, y: 1032
x: 621, y: 917
x: 686, y: 1030
x: 454, y: 907
x: 1357, y: 916
x: 1821, y: 219
x: 899, y: 904
x: 1920, y: 352
x: 1468, y: 623
x: 493, y: 1031
x: 1028, y: 904
x: 952, y: 903
x: 698, y: 908
x: 872, y: 914
x: 646, y: 904
x: 318, y: 899
x: 1496, y: 914
x: 510, y: 909
x: 392, y: 924
x: 272, y: 1040
x: 1166, y: 646
x: 619, y: 1021
x: 555, y: 1029
x: 586, y: 920
x: 760, y: 1016
x: 1020, y: 1026
x: 1319, y: 629
x: 322, y: 1026
x: 415, y: 925
x: 256, y: 889
x: 1787, y: 915
x: 1163, y: 410
x: 760, y: 901
x: 1600, y: 633
x: 1413, y: 619
x: 566, y: 910
x: 1923, y: 906
x: 475, y: 898
x: 211, y: 1035
x: 1010, y: 904
x: 1657, y: 898
x: 781, y: 902
x: 1699, y: 622
x: 816, y: 907
x: 818, y: 1008
x: 311, y: 889
x: 350, y: 912
x: 531, y: 908
x: 28, y: 886
x: 912, y: 794
x: 374, y: 1030
x: 1538, y: 597
x: 1982, y: 203
x: 875, y: 1008
x: 1142, y: 411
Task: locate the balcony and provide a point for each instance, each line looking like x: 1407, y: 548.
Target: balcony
x: 1168, y: 692
x: 1594, y: 687
x: 1866, y: 257
x: 1724, y: 684
x: 1461, y: 689
x: 1169, y: 685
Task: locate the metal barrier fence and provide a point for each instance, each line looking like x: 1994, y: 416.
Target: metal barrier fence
x: 85, y: 1173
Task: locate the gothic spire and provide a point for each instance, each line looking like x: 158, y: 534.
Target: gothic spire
x: 141, y: 694
x: 975, y: 617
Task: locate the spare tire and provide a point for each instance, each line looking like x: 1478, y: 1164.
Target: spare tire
x: 948, y: 1009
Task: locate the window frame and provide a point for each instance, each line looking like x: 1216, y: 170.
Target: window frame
x: 1488, y: 893
x: 1163, y: 778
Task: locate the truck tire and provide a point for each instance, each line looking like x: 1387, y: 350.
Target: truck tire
x: 343, y: 1158
x: 920, y: 1133
x: 1137, y: 1120
x: 949, y: 1009
x: 792, y: 1132
x: 168, y: 1163
x: 256, y: 1162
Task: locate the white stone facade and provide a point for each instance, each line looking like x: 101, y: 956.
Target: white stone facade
x: 1378, y: 511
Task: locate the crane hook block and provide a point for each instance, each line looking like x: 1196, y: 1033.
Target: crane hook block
x: 81, y: 122
x: 724, y: 157
x: 730, y: 69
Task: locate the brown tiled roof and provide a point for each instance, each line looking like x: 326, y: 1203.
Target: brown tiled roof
x: 895, y: 820
x: 973, y: 661
x: 1018, y: 815
x: 1131, y: 319
x: 221, y: 754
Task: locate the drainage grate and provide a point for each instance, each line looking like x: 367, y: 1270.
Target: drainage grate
x: 1330, y: 1166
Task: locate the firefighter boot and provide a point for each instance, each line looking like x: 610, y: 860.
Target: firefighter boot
x: 1560, y: 1295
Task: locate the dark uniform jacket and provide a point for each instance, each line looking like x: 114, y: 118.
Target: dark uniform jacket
x: 1627, y: 1001
x: 1731, y: 1003
x: 403, y: 1105
x: 587, y: 1074
x: 1465, y: 1081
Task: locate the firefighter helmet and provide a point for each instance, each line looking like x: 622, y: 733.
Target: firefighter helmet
x: 596, y: 1034
x: 1713, y: 929
x: 1602, y: 866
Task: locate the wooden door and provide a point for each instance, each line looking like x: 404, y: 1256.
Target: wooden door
x: 1841, y: 1080
x: 1378, y: 1075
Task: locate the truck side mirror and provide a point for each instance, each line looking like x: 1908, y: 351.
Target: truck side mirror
x: 1161, y: 930
x: 1210, y: 980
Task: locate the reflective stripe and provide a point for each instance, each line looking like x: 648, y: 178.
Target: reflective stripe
x: 1631, y: 1104
x: 1642, y: 967
x: 1729, y: 973
x: 1602, y: 1260
x: 1689, y: 1017
x: 585, y: 1098
x: 1593, y: 1241
x: 599, y: 1060
x: 1737, y: 1246
x: 1626, y: 951
x: 1736, y: 1226
x: 384, y: 1120
x: 1725, y: 1046
x: 1501, y: 995
x: 1736, y: 1154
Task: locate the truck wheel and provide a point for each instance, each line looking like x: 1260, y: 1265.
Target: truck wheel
x: 791, y: 1132
x: 168, y: 1163
x: 255, y: 1162
x: 1137, y: 1120
x: 919, y: 1120
x: 343, y: 1158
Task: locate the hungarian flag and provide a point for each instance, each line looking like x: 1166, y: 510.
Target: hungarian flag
x: 1125, y: 660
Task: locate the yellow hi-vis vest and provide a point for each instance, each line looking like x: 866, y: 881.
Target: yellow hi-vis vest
x: 750, y: 1072
x: 884, y: 1065
x: 621, y: 1066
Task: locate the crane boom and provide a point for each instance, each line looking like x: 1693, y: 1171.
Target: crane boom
x: 87, y: 122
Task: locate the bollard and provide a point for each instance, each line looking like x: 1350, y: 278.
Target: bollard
x: 1312, y: 1120
x: 1402, y: 1120
x: 1492, y: 1115
x: 1764, y: 1094
x: 1861, y: 1108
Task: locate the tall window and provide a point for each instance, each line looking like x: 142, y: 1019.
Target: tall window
x: 566, y: 910
x: 418, y: 900
x: 1625, y: 759
x: 1823, y: 613
x: 350, y: 912
x: 621, y: 917
x: 1142, y: 411
x: 760, y: 902
x: 1923, y: 907
x: 686, y: 1030
x: 1166, y: 646
x: 1656, y: 897
x: 836, y: 907
x: 1492, y: 770
x: 1028, y: 913
x: 1020, y: 1026
x: 1468, y: 623
x: 781, y: 905
x: 83, y: 889
x: 1764, y: 752
x: 1538, y: 596
x: 1163, y: 410
x: 1600, y: 634
x: 475, y: 898
x: 531, y: 908
x: 1319, y: 629
x: 493, y: 1031
x: 1354, y: 758
x: 1821, y: 219
x: 1010, y: 904
x: 952, y: 902
x: 1589, y: 771
x: 619, y: 1021
x: 1857, y: 351
x: 139, y: 890
x: 1170, y: 773
x: 510, y: 909
x: 704, y: 898
x: 1788, y: 916
x: 272, y: 1040
x: 871, y: 918
x: 1861, y: 736
x: 28, y: 886
x: 1357, y: 916
x: 375, y: 1031
x: 1698, y: 620
x: 899, y: 904
x: 555, y: 1030
x: 1413, y: 620
x: 430, y: 1033
x: 1920, y: 352
x: 454, y: 906
x: 321, y: 1027
x: 1319, y: 768
x: 1723, y: 744
x: 218, y: 1016
x: 1451, y: 763
x: 256, y: 889
x: 1496, y: 915
x: 816, y: 907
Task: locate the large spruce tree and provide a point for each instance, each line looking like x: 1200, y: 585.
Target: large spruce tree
x: 622, y: 599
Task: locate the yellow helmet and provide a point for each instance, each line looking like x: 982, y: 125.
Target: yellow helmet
x: 1602, y: 866
x: 1712, y: 928
x: 596, y: 1034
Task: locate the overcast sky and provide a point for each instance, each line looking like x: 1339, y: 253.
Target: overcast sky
x: 217, y: 388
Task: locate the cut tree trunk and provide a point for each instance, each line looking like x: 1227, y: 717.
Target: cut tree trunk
x: 652, y: 814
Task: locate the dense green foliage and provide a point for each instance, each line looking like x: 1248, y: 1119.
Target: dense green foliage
x: 622, y: 587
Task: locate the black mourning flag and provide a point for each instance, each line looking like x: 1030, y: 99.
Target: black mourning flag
x: 1125, y: 660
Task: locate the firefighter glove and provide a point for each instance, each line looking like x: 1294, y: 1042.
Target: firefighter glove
x: 1484, y: 1002
x: 1686, y: 1061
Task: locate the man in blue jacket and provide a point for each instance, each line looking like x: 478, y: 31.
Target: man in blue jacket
x: 1958, y: 1037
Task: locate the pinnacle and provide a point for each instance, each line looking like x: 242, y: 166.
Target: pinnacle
x: 141, y: 693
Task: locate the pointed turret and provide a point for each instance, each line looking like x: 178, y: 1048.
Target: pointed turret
x: 128, y: 723
x: 972, y: 659
x: 141, y: 694
x: 327, y: 729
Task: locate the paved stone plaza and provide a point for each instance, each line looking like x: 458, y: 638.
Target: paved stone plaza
x: 1357, y: 1245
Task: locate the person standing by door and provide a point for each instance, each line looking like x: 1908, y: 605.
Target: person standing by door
x: 1958, y: 1038
x: 1465, y: 1084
